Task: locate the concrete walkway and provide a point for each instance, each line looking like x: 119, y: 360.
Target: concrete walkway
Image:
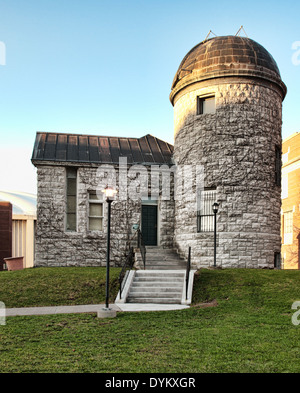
x: 11, y: 312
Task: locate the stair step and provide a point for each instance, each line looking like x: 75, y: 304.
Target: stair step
x: 171, y: 267
x: 157, y: 284
x: 160, y: 257
x: 165, y: 263
x: 159, y: 274
x: 165, y: 260
x: 165, y: 251
x: 142, y: 294
x: 159, y: 278
x: 156, y: 289
x: 150, y: 259
x: 161, y: 250
x: 154, y: 300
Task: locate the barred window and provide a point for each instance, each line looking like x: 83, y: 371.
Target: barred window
x: 95, y: 212
x: 71, y: 190
x: 205, y: 215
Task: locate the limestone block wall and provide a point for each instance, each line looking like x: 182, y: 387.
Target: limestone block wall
x: 57, y: 247
x: 236, y: 146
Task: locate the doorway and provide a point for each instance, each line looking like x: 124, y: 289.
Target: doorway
x: 149, y: 224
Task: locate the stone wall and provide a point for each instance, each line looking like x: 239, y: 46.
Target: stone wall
x: 236, y: 146
x: 57, y: 247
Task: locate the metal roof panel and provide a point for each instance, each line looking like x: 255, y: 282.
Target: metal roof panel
x: 58, y: 147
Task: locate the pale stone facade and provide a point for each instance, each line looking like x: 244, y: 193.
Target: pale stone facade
x: 55, y: 246
x: 236, y: 145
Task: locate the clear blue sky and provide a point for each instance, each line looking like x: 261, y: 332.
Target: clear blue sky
x: 106, y: 67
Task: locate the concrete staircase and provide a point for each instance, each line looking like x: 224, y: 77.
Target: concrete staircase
x: 159, y: 258
x: 162, y: 282
x: 152, y: 286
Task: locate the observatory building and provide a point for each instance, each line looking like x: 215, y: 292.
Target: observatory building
x: 227, y: 96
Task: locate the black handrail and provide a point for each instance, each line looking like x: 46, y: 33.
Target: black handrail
x: 129, y: 258
x: 129, y: 261
x: 142, y: 247
x: 188, y: 268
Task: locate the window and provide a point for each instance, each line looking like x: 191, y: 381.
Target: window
x: 288, y: 227
x: 206, y: 105
x: 278, y: 165
x: 285, y: 188
x: 285, y: 158
x: 95, y: 212
x: 205, y: 215
x: 71, y: 199
x: 277, y: 260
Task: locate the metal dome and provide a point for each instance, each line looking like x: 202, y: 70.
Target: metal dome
x: 226, y: 56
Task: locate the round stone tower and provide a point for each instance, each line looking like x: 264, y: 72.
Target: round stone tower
x: 227, y: 96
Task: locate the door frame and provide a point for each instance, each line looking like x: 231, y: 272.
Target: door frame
x: 153, y: 202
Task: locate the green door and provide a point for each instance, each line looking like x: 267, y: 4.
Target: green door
x: 149, y: 224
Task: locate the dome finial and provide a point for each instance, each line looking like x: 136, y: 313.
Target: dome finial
x: 209, y: 33
x: 240, y: 29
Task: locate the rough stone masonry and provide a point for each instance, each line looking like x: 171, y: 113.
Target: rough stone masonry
x: 236, y: 144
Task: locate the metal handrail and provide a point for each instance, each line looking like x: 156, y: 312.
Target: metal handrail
x: 142, y: 247
x: 129, y: 260
x: 188, y: 269
x: 127, y: 264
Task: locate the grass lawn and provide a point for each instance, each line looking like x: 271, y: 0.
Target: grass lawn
x: 56, y: 286
x: 248, y: 330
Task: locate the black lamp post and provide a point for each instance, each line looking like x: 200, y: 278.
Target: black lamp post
x: 109, y: 193
x: 215, y: 207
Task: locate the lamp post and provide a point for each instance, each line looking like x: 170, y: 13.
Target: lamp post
x: 109, y: 193
x: 215, y: 207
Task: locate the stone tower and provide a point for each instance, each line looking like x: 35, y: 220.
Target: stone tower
x: 227, y: 96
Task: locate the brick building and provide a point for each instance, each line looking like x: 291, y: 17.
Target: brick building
x: 290, y: 222
x: 5, y: 231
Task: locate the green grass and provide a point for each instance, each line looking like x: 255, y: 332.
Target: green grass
x: 250, y: 329
x: 56, y: 286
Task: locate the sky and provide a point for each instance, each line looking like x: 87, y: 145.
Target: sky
x: 105, y: 67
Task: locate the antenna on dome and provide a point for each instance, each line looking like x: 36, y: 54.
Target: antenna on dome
x: 209, y: 33
x: 239, y: 31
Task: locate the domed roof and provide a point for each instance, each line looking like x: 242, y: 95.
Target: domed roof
x: 226, y: 56
x: 23, y: 203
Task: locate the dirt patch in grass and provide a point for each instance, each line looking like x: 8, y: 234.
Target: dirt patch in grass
x: 213, y: 303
